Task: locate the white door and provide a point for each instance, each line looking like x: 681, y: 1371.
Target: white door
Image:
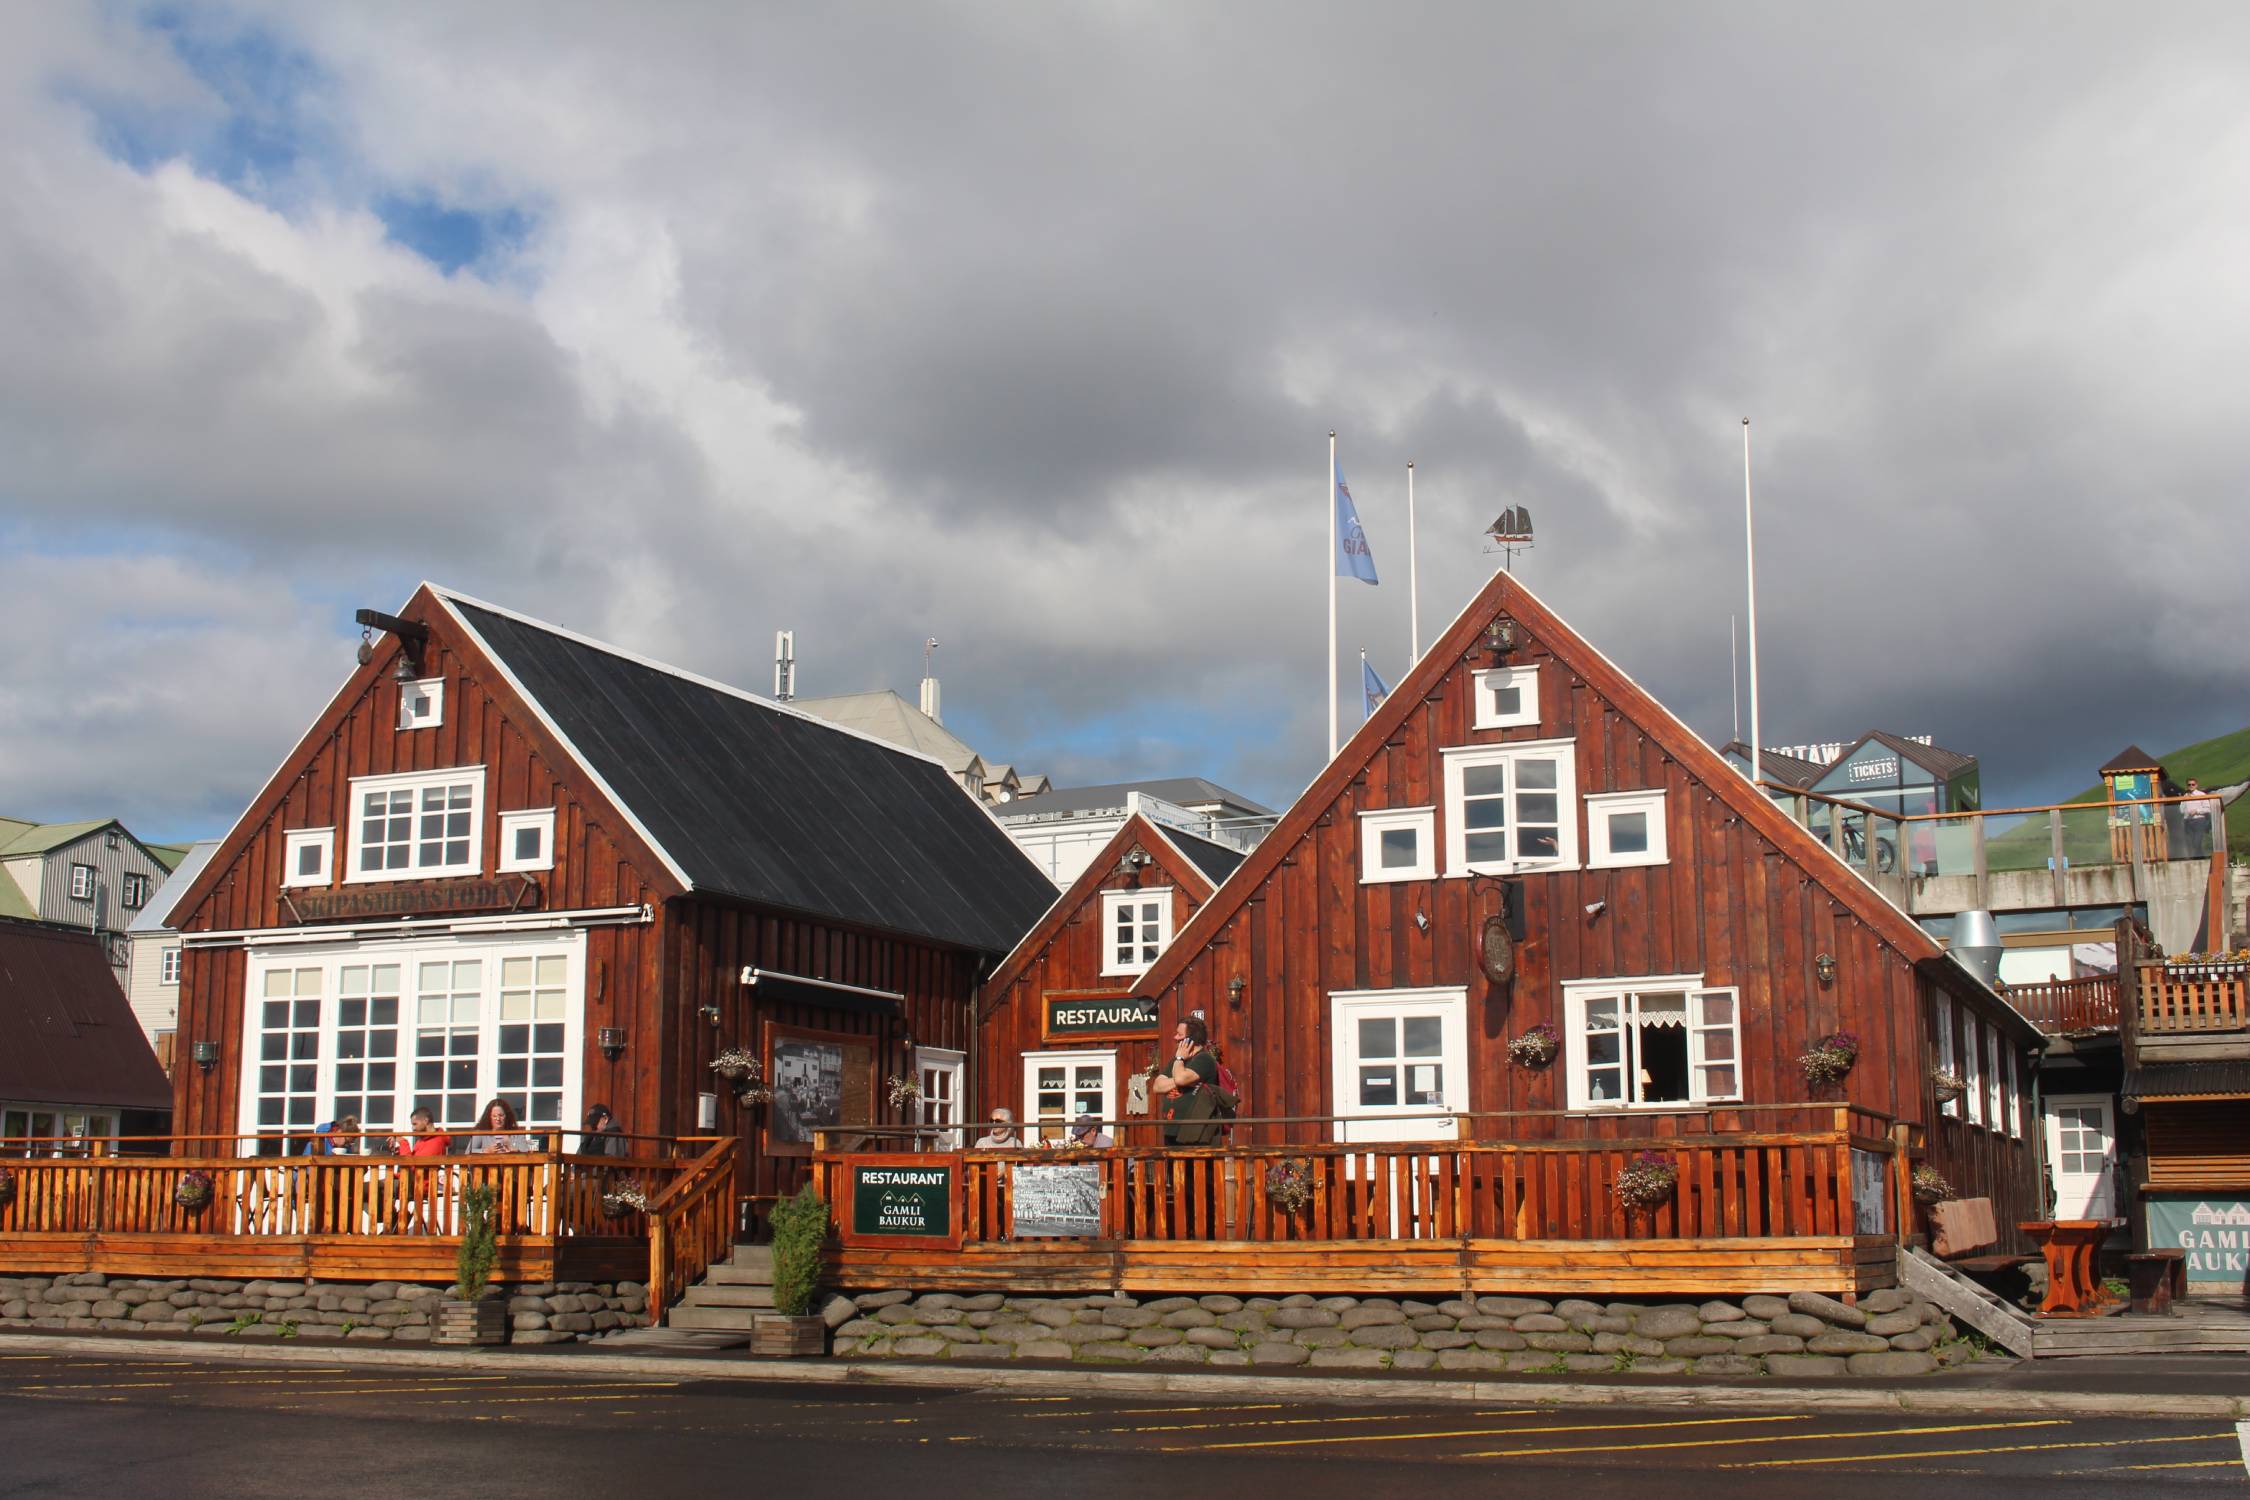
x: 2082, y: 1155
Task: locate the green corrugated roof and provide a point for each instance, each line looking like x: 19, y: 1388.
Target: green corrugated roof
x: 13, y: 902
x: 38, y: 838
x: 167, y: 855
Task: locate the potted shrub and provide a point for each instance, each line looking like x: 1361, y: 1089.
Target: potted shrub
x: 800, y: 1230
x: 1830, y: 1058
x: 193, y: 1191
x: 1537, y: 1046
x: 1647, y: 1183
x: 1930, y: 1186
x: 473, y: 1311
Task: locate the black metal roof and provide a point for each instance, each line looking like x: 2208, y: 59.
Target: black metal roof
x: 2189, y: 1080
x: 1216, y: 861
x: 754, y: 801
x: 67, y: 1035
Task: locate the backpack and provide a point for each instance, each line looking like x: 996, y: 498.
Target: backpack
x: 1227, y: 1093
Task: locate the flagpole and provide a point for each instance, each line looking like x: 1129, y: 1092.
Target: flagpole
x: 1413, y: 580
x: 1333, y: 534
x: 1750, y: 555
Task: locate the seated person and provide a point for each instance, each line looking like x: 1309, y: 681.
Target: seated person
x: 1002, y: 1136
x: 1086, y: 1131
x: 426, y: 1140
x: 500, y: 1132
x: 601, y: 1136
x: 339, y: 1137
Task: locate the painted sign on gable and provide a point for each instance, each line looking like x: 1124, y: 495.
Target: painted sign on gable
x: 1082, y: 1015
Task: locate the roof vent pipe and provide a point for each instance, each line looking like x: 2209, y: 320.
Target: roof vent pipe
x: 1976, y: 945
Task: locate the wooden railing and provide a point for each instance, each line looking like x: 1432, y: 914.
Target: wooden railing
x: 691, y: 1225
x: 2208, y: 997
x: 2058, y: 1006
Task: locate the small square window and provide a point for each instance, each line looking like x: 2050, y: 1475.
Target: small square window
x: 527, y: 840
x: 1398, y: 844
x: 1136, y: 926
x: 82, y: 882
x: 306, y: 854
x: 1507, y: 697
x: 1624, y: 828
x: 168, y: 966
x: 134, y: 891
x: 421, y: 704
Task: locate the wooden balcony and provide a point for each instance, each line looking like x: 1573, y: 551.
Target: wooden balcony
x: 2065, y: 1007
x: 1753, y: 1210
x: 362, y: 1218
x: 2188, y: 1012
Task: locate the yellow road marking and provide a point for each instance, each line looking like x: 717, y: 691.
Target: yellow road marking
x: 1864, y: 1458
x: 1411, y: 1416
x: 1473, y: 1432
x: 2199, y: 1463
x: 1159, y: 1411
x: 1793, y: 1437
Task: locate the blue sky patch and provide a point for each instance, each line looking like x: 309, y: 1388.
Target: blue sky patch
x: 447, y: 237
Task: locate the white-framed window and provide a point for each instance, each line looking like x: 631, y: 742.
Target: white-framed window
x: 1399, y: 1058
x: 168, y: 965
x: 2011, y: 1100
x: 306, y: 855
x: 527, y: 839
x: 940, y: 1070
x: 1058, y: 1087
x: 82, y: 878
x: 1507, y: 697
x: 1651, y: 1043
x: 417, y: 823
x: 1511, y: 807
x: 1398, y: 844
x: 1972, y: 1071
x: 1948, y: 1059
x: 1624, y: 828
x: 378, y: 1029
x: 421, y: 704
x: 133, y: 892
x: 1993, y: 1116
x: 1136, y: 925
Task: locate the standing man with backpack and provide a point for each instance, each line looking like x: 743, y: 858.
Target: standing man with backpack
x: 1194, y: 1101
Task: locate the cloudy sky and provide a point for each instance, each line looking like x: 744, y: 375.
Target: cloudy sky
x: 1024, y: 326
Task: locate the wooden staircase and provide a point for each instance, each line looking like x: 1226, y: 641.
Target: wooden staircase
x: 2212, y: 1325
x: 2002, y: 1322
x: 731, y: 1293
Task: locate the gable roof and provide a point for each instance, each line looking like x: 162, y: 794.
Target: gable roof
x: 151, y: 917
x: 40, y: 838
x: 746, y: 798
x: 1215, y: 861
x: 887, y: 716
x: 1507, y: 594
x: 2131, y: 758
x: 1167, y: 850
x: 1789, y: 770
x: 1940, y: 762
x: 66, y: 1034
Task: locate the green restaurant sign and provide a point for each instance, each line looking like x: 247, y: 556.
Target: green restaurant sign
x: 2215, y: 1233
x: 905, y: 1200
x: 1100, y: 1015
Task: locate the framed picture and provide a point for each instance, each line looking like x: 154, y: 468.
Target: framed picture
x: 820, y: 1080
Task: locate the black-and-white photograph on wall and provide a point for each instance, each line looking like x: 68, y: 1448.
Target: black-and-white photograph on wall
x: 808, y: 1088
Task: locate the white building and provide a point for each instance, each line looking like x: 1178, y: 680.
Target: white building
x: 1065, y: 827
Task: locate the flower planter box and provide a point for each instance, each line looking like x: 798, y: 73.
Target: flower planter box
x: 788, y: 1338
x: 484, y: 1321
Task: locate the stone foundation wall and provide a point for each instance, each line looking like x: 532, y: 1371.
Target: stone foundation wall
x: 1889, y: 1332
x: 549, y: 1313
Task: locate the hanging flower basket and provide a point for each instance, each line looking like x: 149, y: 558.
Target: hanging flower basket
x: 625, y: 1198
x: 1947, y: 1086
x: 903, y: 1091
x: 1930, y: 1186
x: 1830, y: 1058
x: 1289, y: 1185
x: 1647, y: 1183
x: 1536, y: 1047
x: 736, y: 1063
x: 193, y: 1191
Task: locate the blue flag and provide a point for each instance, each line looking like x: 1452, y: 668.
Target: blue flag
x: 1353, y: 559
x: 1371, y: 685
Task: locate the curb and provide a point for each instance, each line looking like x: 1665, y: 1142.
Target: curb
x: 1135, y: 1382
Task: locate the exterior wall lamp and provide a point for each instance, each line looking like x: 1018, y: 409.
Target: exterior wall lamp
x: 206, y: 1055
x: 611, y: 1039
x: 1825, y: 966
x: 709, y: 1013
x: 1235, y: 987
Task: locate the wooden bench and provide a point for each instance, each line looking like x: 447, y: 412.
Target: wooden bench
x: 2156, y: 1279
x: 1961, y: 1228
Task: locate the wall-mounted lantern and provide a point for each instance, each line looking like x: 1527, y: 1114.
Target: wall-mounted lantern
x: 611, y: 1039
x: 206, y: 1055
x: 1824, y: 965
x: 1235, y: 987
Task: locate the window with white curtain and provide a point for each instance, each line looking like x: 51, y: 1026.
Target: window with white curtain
x: 1644, y: 1043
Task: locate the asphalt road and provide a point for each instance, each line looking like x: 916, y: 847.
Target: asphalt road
x: 120, y: 1429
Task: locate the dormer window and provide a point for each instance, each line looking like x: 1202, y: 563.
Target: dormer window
x: 421, y: 703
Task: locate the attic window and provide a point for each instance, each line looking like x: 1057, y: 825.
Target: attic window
x: 425, y: 823
x: 1507, y: 697
x: 527, y: 840
x: 134, y: 891
x: 82, y: 882
x: 421, y: 703
x: 1135, y: 927
x: 305, y: 855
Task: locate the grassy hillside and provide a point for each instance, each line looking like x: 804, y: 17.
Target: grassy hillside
x: 2219, y: 761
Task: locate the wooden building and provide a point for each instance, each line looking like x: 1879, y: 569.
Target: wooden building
x: 74, y: 1068
x: 1058, y: 1025
x: 1519, y: 804
x: 509, y: 860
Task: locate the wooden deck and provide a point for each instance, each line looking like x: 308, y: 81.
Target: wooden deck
x: 2204, y: 1324
x: 1753, y: 1211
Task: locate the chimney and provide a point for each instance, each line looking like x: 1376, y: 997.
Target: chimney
x: 929, y: 681
x: 784, y: 665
